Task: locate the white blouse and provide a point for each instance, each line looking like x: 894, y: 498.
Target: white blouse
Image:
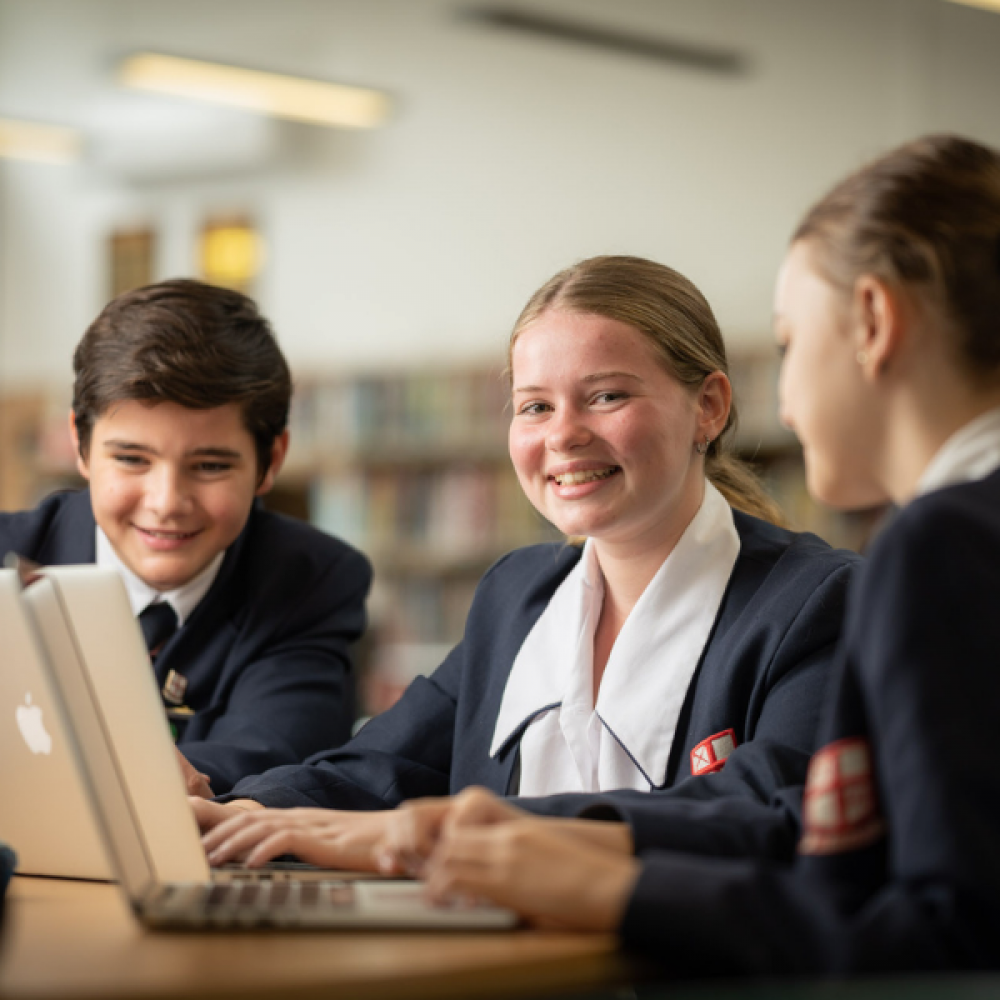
x: 624, y: 741
x: 971, y: 453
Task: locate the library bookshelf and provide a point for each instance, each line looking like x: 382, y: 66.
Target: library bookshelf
x: 412, y: 468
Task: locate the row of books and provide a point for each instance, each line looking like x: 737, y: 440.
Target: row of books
x: 390, y: 413
x: 429, y: 518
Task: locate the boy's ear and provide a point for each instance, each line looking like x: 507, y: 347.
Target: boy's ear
x: 278, y: 452
x: 81, y: 463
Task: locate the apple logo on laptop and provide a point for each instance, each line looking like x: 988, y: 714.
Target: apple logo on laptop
x: 29, y: 721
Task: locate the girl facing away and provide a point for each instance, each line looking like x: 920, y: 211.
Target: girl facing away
x: 887, y: 310
x: 681, y: 652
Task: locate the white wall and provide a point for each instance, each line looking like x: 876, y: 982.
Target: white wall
x: 506, y: 159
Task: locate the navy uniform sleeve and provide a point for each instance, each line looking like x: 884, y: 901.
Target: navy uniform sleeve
x: 923, y: 656
x: 403, y: 753
x: 292, y: 693
x: 750, y: 807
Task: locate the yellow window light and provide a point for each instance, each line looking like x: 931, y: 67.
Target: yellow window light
x: 332, y: 104
x: 232, y: 254
x: 21, y: 140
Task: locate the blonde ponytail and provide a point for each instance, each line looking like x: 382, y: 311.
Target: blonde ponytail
x: 742, y: 488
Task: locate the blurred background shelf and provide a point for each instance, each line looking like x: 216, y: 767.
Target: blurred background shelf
x: 412, y: 468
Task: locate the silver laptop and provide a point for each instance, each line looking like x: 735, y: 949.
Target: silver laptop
x: 112, y: 713
x: 40, y: 782
x: 47, y: 814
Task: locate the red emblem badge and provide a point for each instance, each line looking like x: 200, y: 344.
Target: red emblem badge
x: 711, y: 753
x: 840, y: 808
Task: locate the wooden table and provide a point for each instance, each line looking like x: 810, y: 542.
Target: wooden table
x: 76, y: 940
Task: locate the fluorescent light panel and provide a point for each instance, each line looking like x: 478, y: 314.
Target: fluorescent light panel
x: 313, y: 101
x: 993, y: 5
x: 21, y: 140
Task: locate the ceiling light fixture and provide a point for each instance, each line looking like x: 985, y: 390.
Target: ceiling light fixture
x: 21, y: 140
x: 993, y: 5
x: 528, y: 22
x: 314, y: 101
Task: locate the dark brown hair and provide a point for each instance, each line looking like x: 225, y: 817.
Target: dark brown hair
x: 188, y: 343
x: 924, y: 217
x: 677, y: 321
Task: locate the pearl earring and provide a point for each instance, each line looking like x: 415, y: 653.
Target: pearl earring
x: 861, y: 357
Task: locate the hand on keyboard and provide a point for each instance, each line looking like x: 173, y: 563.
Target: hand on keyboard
x: 327, y: 838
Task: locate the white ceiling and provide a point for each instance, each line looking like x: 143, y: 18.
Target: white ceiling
x: 507, y: 157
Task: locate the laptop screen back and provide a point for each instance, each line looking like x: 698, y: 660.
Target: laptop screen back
x: 46, y: 815
x: 98, y: 654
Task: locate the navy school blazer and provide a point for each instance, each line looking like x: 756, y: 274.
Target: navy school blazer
x: 899, y: 869
x: 265, y: 652
x: 763, y: 673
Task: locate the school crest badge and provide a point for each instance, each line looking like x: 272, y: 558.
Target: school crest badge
x: 174, y: 687
x: 711, y: 753
x: 840, y: 808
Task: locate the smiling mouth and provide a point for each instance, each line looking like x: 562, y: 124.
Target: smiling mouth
x: 167, y: 536
x: 585, y: 476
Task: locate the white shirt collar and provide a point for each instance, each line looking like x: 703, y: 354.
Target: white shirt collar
x: 971, y: 453
x: 140, y: 594
x: 647, y: 675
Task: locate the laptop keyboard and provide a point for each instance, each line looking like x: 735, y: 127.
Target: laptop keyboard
x: 242, y: 903
x: 325, y: 903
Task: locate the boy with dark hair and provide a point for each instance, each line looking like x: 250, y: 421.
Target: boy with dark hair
x: 180, y: 410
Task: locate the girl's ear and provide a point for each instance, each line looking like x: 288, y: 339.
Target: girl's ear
x: 880, y: 327
x: 715, y: 398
